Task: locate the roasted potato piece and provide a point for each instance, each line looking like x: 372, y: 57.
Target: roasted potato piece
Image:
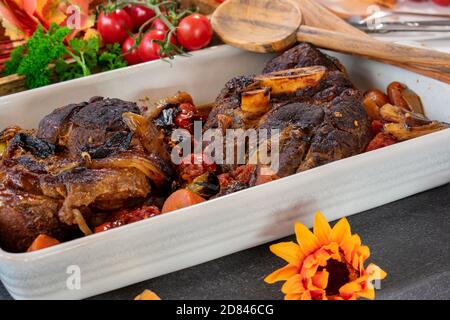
x: 289, y: 81
x: 401, y: 132
x: 256, y: 101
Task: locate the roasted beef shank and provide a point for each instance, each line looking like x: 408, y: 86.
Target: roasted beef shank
x: 309, y: 98
x: 98, y: 155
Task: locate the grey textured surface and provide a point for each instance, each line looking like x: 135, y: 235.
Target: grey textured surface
x: 409, y: 239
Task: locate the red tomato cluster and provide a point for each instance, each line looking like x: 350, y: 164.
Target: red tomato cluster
x: 195, y: 165
x: 127, y: 216
x: 193, y: 32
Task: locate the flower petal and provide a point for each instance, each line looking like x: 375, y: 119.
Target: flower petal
x: 348, y: 246
x: 322, y: 229
x: 320, y: 279
x: 293, y: 296
x: 375, y: 272
x: 147, y: 295
x: 288, y: 251
x: 293, y: 285
x: 348, y: 290
x: 341, y: 231
x: 306, y: 296
x: 282, y: 274
x: 368, y: 293
x: 361, y: 255
x: 306, y: 239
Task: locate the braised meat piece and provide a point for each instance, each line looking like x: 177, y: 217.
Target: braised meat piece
x: 23, y: 216
x: 307, y: 96
x: 100, y: 155
x: 87, y: 126
x: 303, y: 55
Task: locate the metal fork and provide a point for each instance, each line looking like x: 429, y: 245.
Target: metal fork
x: 402, y: 26
x: 384, y: 14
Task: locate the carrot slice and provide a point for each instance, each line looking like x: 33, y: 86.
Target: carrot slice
x: 181, y: 199
x: 42, y: 241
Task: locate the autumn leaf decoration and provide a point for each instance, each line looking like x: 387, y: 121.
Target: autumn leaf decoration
x: 20, y: 18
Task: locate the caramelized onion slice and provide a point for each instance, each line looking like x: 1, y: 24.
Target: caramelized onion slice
x: 148, y: 134
x: 289, y: 81
x: 79, y: 219
x: 154, y: 110
x: 401, y: 132
x: 146, y: 166
x: 413, y: 101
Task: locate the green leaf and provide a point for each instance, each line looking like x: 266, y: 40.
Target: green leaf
x: 112, y: 58
x: 13, y: 63
x: 42, y: 49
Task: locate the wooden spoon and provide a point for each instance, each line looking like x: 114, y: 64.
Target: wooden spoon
x: 276, y: 25
x: 316, y: 15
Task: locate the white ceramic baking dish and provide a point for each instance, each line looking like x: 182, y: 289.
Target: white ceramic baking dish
x: 216, y: 228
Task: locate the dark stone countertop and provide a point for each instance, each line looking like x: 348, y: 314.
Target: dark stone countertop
x: 409, y: 239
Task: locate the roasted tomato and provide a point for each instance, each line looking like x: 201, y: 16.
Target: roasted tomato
x: 186, y: 117
x: 126, y: 216
x: 373, y: 100
x: 244, y: 173
x: 180, y: 199
x: 381, y: 140
x: 395, y: 90
x: 195, y: 165
x: 377, y: 125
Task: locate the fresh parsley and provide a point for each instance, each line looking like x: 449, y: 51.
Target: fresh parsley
x: 33, y: 59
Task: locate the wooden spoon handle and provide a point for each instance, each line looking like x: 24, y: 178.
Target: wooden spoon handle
x: 316, y: 15
x: 429, y: 62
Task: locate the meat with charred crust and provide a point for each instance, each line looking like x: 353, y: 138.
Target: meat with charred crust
x: 95, y: 155
x: 315, y: 106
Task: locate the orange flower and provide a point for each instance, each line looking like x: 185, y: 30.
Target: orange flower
x: 147, y: 295
x: 325, y: 264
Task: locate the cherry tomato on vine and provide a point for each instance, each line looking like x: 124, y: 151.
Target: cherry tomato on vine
x: 139, y: 15
x: 113, y: 27
x: 149, y: 49
x: 130, y: 52
x: 159, y: 24
x: 194, y: 32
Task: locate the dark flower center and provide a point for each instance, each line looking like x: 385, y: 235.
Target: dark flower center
x: 338, y: 276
